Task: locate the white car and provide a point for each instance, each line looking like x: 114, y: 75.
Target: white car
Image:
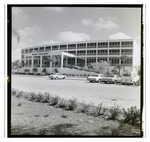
x: 112, y: 79
x: 57, y: 76
x: 95, y: 77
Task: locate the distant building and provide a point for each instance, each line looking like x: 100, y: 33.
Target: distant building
x: 80, y: 54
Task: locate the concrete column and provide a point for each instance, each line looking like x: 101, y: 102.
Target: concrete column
x: 40, y: 61
x: 32, y: 62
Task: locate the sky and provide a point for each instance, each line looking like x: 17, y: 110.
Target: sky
x: 48, y: 25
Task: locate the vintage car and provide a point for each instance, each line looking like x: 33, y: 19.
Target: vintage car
x: 57, y: 76
x: 95, y: 77
x: 112, y: 79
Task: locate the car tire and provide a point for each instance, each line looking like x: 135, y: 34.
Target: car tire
x: 115, y: 82
x: 91, y: 81
x: 100, y: 80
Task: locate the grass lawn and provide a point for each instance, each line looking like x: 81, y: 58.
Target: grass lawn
x: 35, y: 118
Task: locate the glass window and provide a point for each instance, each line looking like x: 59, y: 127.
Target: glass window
x: 81, y: 62
x: 127, y: 44
x: 114, y: 52
x: 22, y: 52
x: 55, y: 47
x: 103, y: 45
x: 63, y: 47
x: 81, y: 52
x: 114, y: 61
x: 71, y: 46
x: 91, y: 52
x: 48, y: 48
x: 36, y: 61
x: 91, y: 60
x: 45, y: 61
x: 101, y: 59
x: 91, y: 45
x: 71, y: 61
x: 126, y: 51
x: 72, y: 52
x: 26, y: 51
x: 102, y: 52
x: 41, y: 49
x: 114, y: 44
x: 81, y: 46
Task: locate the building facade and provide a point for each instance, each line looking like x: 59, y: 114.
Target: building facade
x: 85, y: 53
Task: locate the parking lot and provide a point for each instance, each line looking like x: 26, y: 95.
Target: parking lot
x: 81, y: 89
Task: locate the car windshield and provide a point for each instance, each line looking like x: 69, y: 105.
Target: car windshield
x: 95, y: 75
x: 110, y: 76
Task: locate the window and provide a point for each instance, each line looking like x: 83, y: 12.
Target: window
x: 22, y: 52
x: 81, y: 46
x: 63, y: 47
x: 48, y: 48
x: 114, y: 61
x: 81, y: 62
x: 71, y: 61
x: 41, y: 49
x: 101, y: 59
x: 28, y: 61
x: 103, y: 45
x: 81, y: 52
x: 72, y: 52
x: 36, y: 61
x: 46, y: 61
x: 114, y: 52
x: 71, y: 46
x: 91, y: 52
x: 128, y: 62
x: 30, y: 50
x: 22, y: 57
x: 26, y: 51
x: 91, y: 60
x: 126, y: 51
x: 91, y: 45
x: 55, y: 47
x: 127, y: 44
x: 114, y: 44
x: 35, y: 50
x: 102, y: 52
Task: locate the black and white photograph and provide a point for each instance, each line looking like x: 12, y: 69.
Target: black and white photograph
x: 75, y: 70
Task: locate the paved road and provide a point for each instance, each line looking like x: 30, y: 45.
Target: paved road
x: 124, y: 95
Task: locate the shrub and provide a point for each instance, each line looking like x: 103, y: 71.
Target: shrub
x: 44, y: 98
x: 71, y: 104
x: 62, y: 103
x: 114, y: 111
x: 100, y: 110
x: 132, y: 115
x: 13, y: 92
x: 32, y: 96
x: 85, y: 108
x: 35, y: 70
x: 54, y: 100
x: 19, y: 94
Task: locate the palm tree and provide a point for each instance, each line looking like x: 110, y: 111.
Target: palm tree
x: 124, y: 58
x: 16, y: 34
x: 119, y: 67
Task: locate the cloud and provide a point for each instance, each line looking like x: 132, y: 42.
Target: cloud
x: 87, y: 22
x: 28, y: 31
x: 49, y: 42
x: 69, y: 36
x: 107, y: 23
x: 119, y: 35
x: 55, y: 9
x: 18, y: 12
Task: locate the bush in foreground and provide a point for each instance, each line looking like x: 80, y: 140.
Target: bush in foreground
x: 132, y: 115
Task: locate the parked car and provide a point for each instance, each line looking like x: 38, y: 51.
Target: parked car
x: 111, y: 79
x: 95, y: 77
x: 132, y: 78
x: 57, y: 76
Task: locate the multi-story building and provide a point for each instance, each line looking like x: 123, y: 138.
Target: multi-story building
x: 81, y: 54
